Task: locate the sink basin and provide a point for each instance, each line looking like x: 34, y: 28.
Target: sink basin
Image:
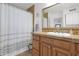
x: 58, y: 34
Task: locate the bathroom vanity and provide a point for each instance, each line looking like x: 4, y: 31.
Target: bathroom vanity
x: 62, y: 18
x: 53, y: 45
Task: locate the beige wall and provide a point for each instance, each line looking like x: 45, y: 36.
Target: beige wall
x: 38, y: 16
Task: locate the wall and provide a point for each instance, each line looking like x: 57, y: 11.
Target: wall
x: 31, y: 9
x: 38, y: 16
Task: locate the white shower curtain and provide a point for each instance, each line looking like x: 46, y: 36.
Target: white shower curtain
x: 15, y: 29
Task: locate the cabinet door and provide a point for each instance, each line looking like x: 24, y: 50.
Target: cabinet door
x: 53, y: 53
x: 35, y: 52
x: 36, y: 44
x: 61, y: 52
x: 77, y: 49
x: 45, y: 49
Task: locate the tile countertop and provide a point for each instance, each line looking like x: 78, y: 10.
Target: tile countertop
x: 73, y: 38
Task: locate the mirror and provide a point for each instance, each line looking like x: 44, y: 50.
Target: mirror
x: 61, y: 15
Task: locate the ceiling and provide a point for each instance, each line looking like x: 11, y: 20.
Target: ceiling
x: 60, y: 7
x: 23, y: 6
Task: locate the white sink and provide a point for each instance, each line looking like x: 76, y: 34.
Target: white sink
x: 58, y: 34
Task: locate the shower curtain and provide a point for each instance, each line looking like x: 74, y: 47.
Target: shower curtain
x: 15, y: 29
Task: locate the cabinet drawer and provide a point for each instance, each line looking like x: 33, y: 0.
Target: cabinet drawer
x: 46, y: 40
x: 35, y: 37
x: 36, y: 44
x: 62, y: 44
x: 35, y: 52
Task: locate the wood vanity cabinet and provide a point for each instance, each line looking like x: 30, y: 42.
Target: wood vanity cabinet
x: 35, y: 47
x: 46, y: 46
